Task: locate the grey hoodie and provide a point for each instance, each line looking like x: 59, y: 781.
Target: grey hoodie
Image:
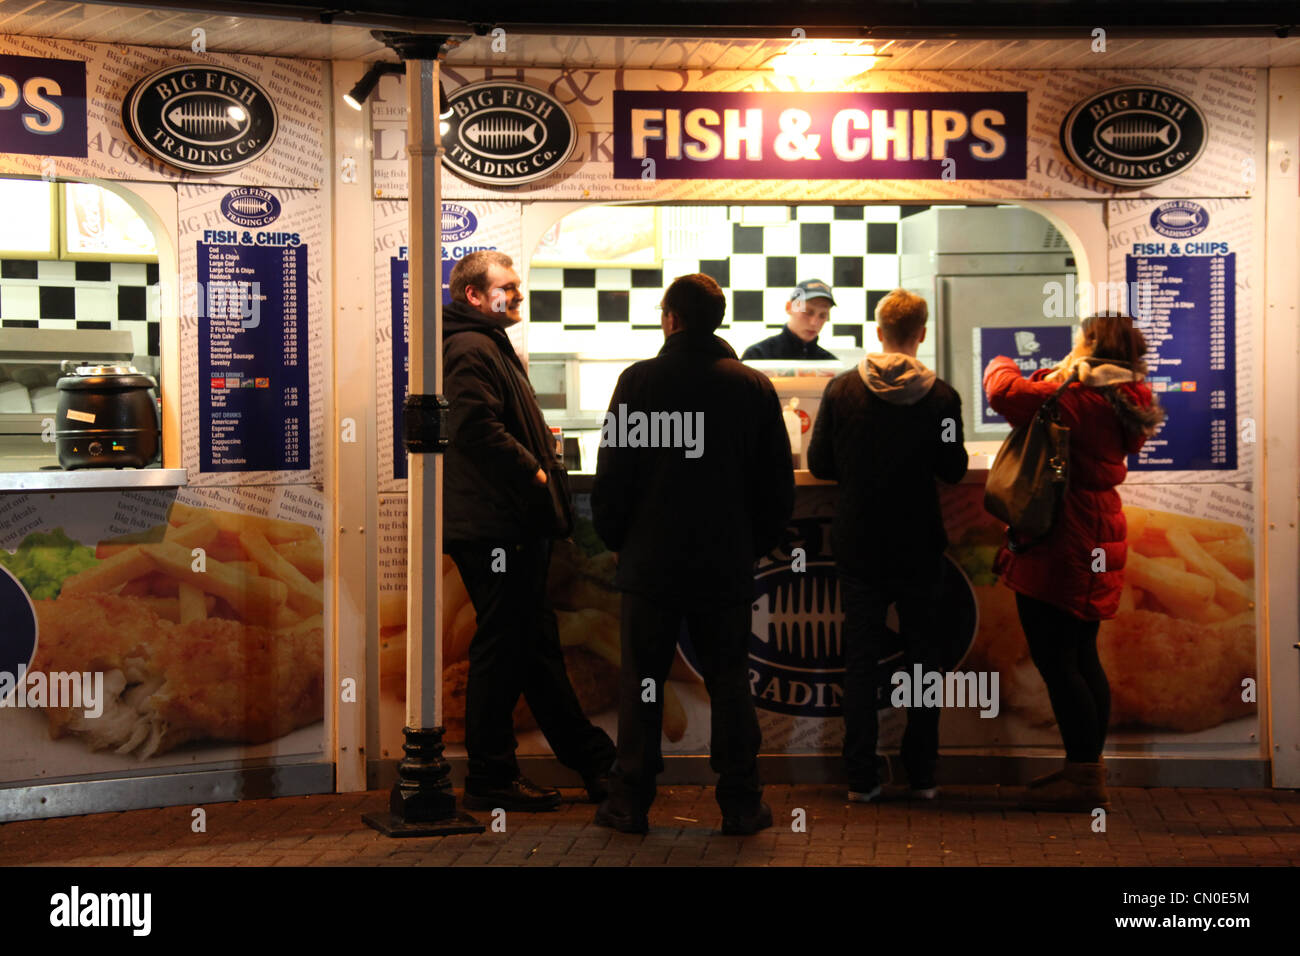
x: 897, y: 378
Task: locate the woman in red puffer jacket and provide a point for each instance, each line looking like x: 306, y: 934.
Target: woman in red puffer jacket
x: 1069, y: 582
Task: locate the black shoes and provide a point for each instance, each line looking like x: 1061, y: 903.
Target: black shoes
x: 746, y: 824
x: 621, y: 819
x: 519, y: 794
x: 597, y: 787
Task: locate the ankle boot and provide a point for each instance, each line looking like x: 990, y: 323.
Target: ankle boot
x: 1054, y: 775
x: 1080, y: 788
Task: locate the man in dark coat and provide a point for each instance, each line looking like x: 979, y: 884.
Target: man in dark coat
x: 505, y: 497
x: 885, y: 431
x: 808, y: 310
x: 693, y: 482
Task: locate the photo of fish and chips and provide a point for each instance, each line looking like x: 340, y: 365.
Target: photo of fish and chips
x: 226, y: 645
x: 1180, y: 646
x: 587, y: 606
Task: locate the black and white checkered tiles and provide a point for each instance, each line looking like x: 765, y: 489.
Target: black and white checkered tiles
x: 615, y: 312
x: 56, y: 294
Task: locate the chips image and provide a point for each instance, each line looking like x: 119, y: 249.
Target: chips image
x: 1181, y: 644
x: 226, y: 644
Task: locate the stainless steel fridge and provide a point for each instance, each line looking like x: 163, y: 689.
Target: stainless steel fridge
x: 987, y: 275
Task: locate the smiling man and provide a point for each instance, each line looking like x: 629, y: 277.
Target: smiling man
x: 808, y: 309
x: 505, y: 498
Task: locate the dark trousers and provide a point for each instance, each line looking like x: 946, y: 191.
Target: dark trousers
x: 866, y: 642
x: 720, y: 637
x: 516, y: 650
x: 1064, y: 649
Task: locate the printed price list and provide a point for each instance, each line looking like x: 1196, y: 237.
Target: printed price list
x: 1186, y: 310
x: 253, y: 381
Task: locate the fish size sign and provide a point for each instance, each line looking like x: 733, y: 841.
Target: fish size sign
x: 1135, y: 135
x: 207, y: 119
x: 505, y: 134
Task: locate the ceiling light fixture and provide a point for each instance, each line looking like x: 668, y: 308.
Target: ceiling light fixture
x: 825, y: 60
x: 366, y: 85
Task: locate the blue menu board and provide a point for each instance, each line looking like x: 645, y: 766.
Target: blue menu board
x: 400, y: 274
x: 1187, y: 312
x: 252, y: 321
x: 400, y: 297
x: 1031, y: 347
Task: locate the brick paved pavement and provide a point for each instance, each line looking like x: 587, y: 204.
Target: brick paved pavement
x: 966, y: 826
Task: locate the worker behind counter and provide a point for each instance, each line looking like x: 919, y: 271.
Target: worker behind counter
x: 809, y: 308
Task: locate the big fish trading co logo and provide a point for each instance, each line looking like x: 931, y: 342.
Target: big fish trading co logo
x: 507, y: 134
x: 206, y: 119
x: 1180, y: 219
x: 457, y: 222
x: 250, y: 207
x: 1134, y: 135
x: 796, y: 643
x: 18, y: 636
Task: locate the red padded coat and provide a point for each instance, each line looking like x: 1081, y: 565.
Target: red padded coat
x: 1059, y: 569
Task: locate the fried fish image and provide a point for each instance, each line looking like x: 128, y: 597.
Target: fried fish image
x: 167, y: 684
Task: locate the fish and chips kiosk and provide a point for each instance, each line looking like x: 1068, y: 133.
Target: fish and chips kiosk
x: 228, y: 238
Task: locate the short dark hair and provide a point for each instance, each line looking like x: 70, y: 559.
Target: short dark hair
x: 1112, y: 336
x: 697, y: 301
x: 472, y: 271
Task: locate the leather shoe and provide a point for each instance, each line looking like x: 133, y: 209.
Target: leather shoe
x: 621, y: 819
x: 519, y: 794
x: 745, y: 824
x: 597, y: 785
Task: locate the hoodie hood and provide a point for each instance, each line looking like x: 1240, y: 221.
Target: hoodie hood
x: 897, y: 378
x: 1138, y: 409
x: 1093, y: 373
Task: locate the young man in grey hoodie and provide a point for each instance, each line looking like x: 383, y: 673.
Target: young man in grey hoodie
x: 885, y: 431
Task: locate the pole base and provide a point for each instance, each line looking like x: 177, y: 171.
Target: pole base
x: 391, y: 826
x: 422, y: 802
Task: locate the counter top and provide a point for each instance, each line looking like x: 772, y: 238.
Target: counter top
x: 93, y: 479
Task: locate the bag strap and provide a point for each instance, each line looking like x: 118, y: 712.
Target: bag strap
x: 1048, y: 408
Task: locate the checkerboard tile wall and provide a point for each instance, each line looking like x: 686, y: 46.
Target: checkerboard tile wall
x: 57, y: 294
x: 615, y: 312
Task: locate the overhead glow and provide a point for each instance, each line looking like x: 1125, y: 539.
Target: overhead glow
x: 824, y: 61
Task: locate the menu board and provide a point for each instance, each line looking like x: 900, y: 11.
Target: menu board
x: 1186, y: 309
x: 401, y: 342
x: 253, y: 382
x: 1030, y: 347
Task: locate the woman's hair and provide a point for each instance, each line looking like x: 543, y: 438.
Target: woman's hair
x: 1111, y: 337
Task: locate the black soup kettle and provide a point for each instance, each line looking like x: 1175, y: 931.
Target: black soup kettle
x: 107, y: 418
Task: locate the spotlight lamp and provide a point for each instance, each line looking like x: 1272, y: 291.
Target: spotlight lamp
x: 366, y: 85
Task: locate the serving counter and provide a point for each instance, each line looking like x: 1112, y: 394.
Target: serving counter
x: 1176, y: 682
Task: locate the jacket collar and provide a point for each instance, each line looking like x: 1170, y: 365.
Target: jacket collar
x: 706, y: 344
x: 792, y: 342
x: 458, y: 317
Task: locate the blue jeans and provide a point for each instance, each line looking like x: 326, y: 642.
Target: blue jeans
x: 867, y: 643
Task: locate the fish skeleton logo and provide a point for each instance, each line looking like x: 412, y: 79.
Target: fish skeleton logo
x: 18, y: 636
x: 250, y: 207
x: 796, y: 643
x: 1180, y: 219
x: 457, y: 222
x: 1135, y: 135
x: 206, y: 119
x: 506, y: 134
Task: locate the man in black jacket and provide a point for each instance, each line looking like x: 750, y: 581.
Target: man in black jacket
x: 693, y: 482
x: 885, y: 430
x: 505, y: 497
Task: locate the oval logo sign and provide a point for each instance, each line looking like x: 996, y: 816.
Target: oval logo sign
x: 506, y: 134
x: 18, y: 636
x: 250, y: 207
x: 796, y: 642
x: 1134, y: 135
x: 1180, y: 219
x: 206, y: 119
x: 457, y: 222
